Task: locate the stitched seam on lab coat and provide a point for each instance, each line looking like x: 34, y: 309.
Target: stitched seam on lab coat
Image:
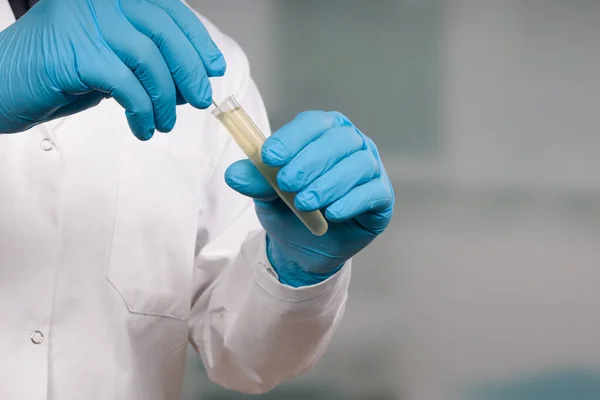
x: 179, y: 346
x: 114, y: 227
x: 197, y: 339
x: 158, y: 315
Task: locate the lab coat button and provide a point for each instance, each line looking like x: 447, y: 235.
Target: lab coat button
x: 46, y: 144
x: 37, y: 337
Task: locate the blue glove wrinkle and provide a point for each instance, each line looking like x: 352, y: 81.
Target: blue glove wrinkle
x: 291, y: 179
x: 302, y: 170
x: 353, y: 171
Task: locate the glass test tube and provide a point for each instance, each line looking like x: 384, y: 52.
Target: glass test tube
x: 250, y: 139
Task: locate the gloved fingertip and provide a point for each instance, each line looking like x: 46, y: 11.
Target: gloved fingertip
x: 268, y: 157
x: 334, y: 214
x: 236, y: 172
x: 284, y: 184
x: 204, y: 99
x: 147, y: 135
x: 232, y: 179
x: 339, y: 118
x: 142, y: 127
x: 216, y: 65
x: 306, y: 201
x: 257, y: 190
x: 142, y: 134
x: 168, y: 125
x: 179, y: 99
x: 197, y: 92
x: 272, y: 153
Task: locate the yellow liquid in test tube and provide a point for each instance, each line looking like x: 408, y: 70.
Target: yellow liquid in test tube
x: 250, y: 139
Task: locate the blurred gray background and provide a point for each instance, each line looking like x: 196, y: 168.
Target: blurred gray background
x: 487, y: 284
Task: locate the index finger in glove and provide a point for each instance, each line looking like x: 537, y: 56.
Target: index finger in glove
x: 289, y: 140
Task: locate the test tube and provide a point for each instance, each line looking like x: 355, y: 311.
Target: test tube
x: 250, y: 139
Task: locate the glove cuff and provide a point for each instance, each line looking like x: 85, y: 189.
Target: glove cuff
x: 290, y: 272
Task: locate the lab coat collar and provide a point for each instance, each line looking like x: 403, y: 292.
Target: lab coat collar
x: 6, y: 15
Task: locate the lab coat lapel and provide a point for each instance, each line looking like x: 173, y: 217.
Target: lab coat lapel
x: 6, y: 15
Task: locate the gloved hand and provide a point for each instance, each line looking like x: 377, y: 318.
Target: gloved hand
x: 64, y: 56
x: 333, y: 167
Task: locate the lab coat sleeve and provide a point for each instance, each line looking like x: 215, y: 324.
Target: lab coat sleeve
x: 251, y: 331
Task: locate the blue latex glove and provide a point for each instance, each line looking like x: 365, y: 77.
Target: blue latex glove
x: 64, y: 56
x: 333, y: 167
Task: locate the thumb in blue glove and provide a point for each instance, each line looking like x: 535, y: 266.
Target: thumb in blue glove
x: 331, y: 166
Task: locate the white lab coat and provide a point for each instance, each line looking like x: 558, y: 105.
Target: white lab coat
x: 115, y: 253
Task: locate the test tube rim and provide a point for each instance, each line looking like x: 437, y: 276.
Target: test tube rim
x: 229, y: 101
